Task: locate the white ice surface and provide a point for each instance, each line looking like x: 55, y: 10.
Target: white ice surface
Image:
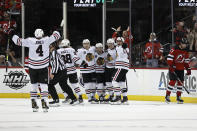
x: 17, y: 115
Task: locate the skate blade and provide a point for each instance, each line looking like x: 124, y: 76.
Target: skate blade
x: 93, y: 102
x: 45, y: 110
x: 115, y: 103
x: 125, y: 103
x: 167, y: 102
x: 54, y: 105
x: 76, y: 103
x: 66, y: 102
x: 81, y: 103
x: 179, y: 102
x: 35, y: 110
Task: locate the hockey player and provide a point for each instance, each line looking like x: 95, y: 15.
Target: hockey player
x: 87, y: 69
x: 121, y: 69
x: 59, y: 75
x: 70, y: 58
x: 38, y: 63
x: 178, y: 60
x: 100, y: 57
x: 110, y: 67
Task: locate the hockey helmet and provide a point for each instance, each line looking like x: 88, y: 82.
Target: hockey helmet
x: 39, y: 33
x: 85, y: 41
x: 110, y: 41
x: 98, y: 45
x: 64, y: 43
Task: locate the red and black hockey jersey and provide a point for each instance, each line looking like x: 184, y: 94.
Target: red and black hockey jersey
x: 179, y: 59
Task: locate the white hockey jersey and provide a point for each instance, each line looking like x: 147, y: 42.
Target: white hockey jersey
x: 87, y: 56
x: 100, y: 62
x: 122, y: 58
x: 38, y: 49
x: 70, y: 59
x: 111, y: 58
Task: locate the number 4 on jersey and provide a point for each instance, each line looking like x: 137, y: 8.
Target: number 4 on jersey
x: 39, y: 50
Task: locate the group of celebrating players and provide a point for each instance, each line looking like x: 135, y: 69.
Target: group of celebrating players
x: 101, y: 71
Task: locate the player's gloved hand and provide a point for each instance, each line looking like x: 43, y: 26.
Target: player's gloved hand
x: 188, y: 72
x: 171, y: 69
x: 124, y: 46
x: 84, y: 64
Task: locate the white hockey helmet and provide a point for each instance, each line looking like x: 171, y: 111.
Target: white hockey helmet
x: 39, y: 33
x: 99, y: 45
x: 85, y: 41
x: 120, y: 39
x: 110, y: 40
x: 64, y: 43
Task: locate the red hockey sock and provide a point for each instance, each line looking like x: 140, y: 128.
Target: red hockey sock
x: 168, y: 93
x: 178, y: 93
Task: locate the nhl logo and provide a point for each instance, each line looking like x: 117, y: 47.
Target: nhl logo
x: 16, y: 80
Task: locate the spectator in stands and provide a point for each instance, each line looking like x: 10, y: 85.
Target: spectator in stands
x: 7, y: 25
x: 125, y: 35
x: 3, y: 62
x: 153, y: 51
x: 192, y: 38
x: 179, y: 32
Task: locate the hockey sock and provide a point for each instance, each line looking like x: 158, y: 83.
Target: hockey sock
x: 88, y: 90
x: 168, y: 92
x: 76, y: 89
x: 117, y: 91
x: 33, y: 92
x: 178, y: 93
x: 124, y: 91
x: 44, y: 91
x: 100, y: 89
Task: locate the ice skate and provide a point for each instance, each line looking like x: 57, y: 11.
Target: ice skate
x: 80, y: 99
x: 125, y: 101
x: 44, y: 106
x: 74, y: 102
x: 54, y: 103
x: 101, y: 99
x: 94, y: 100
x: 179, y: 100
x: 67, y: 100
x: 34, y: 105
x: 167, y: 99
x: 116, y: 101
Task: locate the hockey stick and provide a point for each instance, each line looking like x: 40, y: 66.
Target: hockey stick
x: 7, y: 55
x: 8, y: 44
x: 188, y: 92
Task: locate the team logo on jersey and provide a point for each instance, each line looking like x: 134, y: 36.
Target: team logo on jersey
x: 16, y: 80
x: 100, y: 61
x: 89, y: 57
x: 109, y: 57
x: 180, y: 58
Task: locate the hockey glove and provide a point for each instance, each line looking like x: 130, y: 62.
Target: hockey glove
x: 171, y: 69
x: 84, y: 64
x: 124, y: 46
x: 188, y: 72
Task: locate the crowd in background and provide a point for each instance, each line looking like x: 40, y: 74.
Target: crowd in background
x: 151, y: 53
x: 9, y: 10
